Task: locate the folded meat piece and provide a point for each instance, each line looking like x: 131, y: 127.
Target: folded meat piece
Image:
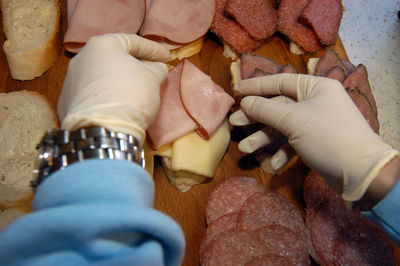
x: 205, y: 101
x: 359, y: 79
x: 89, y: 18
x: 179, y: 21
x: 190, y: 101
x: 288, y: 14
x: 337, y: 73
x: 329, y: 60
x: 231, y: 32
x: 261, y: 24
x: 365, y: 106
x: 250, y: 63
x: 324, y: 17
x: 172, y: 113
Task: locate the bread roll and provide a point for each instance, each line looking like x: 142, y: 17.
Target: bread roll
x: 33, y: 39
x: 24, y: 119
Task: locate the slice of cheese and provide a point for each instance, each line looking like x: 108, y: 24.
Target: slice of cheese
x: 311, y: 65
x: 188, y: 50
x: 236, y: 75
x: 196, y: 155
x: 191, y: 160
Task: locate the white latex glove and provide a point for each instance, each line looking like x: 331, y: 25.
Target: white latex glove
x: 108, y: 85
x: 324, y: 127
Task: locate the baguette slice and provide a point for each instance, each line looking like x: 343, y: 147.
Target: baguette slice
x: 32, y: 29
x: 24, y: 118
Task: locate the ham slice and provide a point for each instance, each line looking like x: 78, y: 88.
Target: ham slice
x: 179, y: 21
x: 190, y: 101
x: 164, y: 128
x: 205, y: 101
x: 87, y: 18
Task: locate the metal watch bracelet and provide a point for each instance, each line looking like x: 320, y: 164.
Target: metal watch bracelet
x: 60, y: 148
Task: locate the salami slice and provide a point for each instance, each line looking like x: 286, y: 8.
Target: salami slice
x: 288, y: 24
x: 363, y: 244
x: 231, y: 32
x: 327, y: 224
x: 262, y: 22
x: 278, y: 240
x: 230, y: 195
x: 222, y: 223
x: 270, y: 260
x: 324, y: 17
x: 316, y: 192
x: 270, y: 208
x: 231, y: 247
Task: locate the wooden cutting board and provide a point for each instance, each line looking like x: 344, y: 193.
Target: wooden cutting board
x: 188, y: 208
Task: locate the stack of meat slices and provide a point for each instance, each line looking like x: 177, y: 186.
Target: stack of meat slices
x: 249, y: 225
x: 244, y: 25
x: 354, y: 80
x: 338, y: 236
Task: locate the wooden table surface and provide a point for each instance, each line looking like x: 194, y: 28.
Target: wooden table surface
x: 188, y: 208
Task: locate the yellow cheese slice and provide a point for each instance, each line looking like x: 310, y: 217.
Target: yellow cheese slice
x: 194, y: 154
x: 188, y: 50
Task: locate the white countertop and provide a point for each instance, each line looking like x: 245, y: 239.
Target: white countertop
x: 370, y: 32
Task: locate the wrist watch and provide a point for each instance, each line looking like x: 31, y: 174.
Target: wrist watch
x: 60, y: 148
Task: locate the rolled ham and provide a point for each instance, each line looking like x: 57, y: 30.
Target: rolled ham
x: 88, y: 18
x: 179, y: 21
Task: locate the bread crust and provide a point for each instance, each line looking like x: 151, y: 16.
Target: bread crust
x: 25, y: 116
x: 29, y: 64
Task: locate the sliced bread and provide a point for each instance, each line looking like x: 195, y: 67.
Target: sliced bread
x: 24, y: 118
x: 32, y: 29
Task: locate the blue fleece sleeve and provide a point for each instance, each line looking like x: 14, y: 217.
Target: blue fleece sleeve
x: 94, y: 212
x: 386, y: 214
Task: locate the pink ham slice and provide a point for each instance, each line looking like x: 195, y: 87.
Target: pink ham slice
x: 164, y: 128
x: 88, y: 18
x: 179, y: 21
x: 205, y: 101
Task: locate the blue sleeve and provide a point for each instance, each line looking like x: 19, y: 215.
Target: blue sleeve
x: 94, y: 212
x: 386, y: 214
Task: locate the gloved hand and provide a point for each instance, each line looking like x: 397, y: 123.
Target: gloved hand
x: 107, y: 84
x: 324, y: 127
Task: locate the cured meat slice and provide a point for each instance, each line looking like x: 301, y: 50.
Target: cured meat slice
x: 337, y: 73
x: 363, y: 244
x: 288, y: 14
x: 270, y: 208
x: 288, y: 69
x: 164, y: 128
x: 366, y: 108
x: 324, y: 16
x: 205, y: 101
x: 178, y: 21
x: 329, y: 60
x: 231, y: 32
x: 359, y: 79
x: 231, y: 247
x: 270, y: 260
x: 327, y: 224
x: 251, y: 62
x: 348, y: 66
x: 278, y: 240
x: 222, y: 223
x: 257, y: 17
x: 229, y: 196
x: 316, y: 192
x: 90, y: 18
